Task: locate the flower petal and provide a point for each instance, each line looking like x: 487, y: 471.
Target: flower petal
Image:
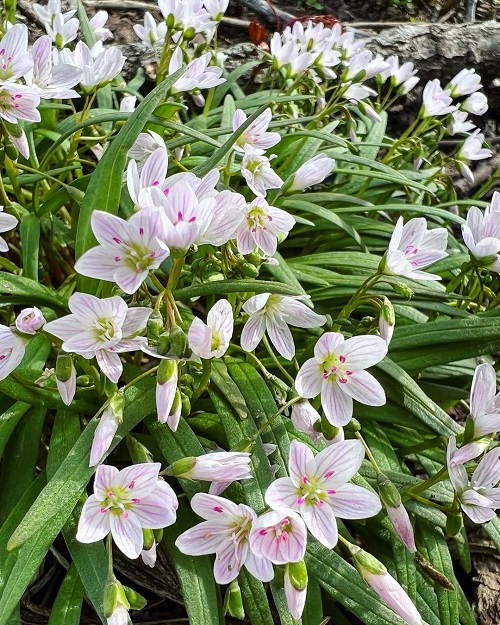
x: 363, y: 387
x: 252, y: 333
x: 212, y: 507
x: 260, y: 568
x: 338, y: 463
x: 110, y: 364
x: 202, y: 539
x: 321, y: 522
x: 299, y: 457
x: 139, y: 479
x: 336, y: 403
x: 282, y: 495
x: 153, y: 512
x: 362, y: 352
x: 93, y: 524
x: 127, y: 533
x: 229, y: 559
x: 309, y: 379
x: 328, y: 344
x: 354, y: 502
x: 281, y: 338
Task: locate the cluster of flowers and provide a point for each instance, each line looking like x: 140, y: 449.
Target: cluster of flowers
x: 174, y: 214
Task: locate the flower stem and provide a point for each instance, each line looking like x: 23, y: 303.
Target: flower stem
x: 205, y: 379
x: 441, y: 475
x: 276, y: 361
x: 371, y: 457
x: 354, y: 301
x: 261, y: 430
x: 109, y: 549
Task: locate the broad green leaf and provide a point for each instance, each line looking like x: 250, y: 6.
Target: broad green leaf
x: 255, y: 599
x: 30, y: 292
x: 9, y: 420
x: 68, y: 604
x: 30, y: 243
x: 234, y: 286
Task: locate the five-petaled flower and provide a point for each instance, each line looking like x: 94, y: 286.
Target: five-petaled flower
x: 479, y: 497
x: 337, y: 371
x: 261, y: 227
x: 318, y: 488
x: 225, y: 533
x: 102, y: 328
x: 481, y: 233
x: 412, y: 248
x: 211, y: 339
x: 273, y: 314
x: 256, y: 134
x: 280, y: 536
x: 124, y: 502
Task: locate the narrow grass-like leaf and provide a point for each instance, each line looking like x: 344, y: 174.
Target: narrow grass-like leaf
x: 68, y: 604
x: 234, y: 286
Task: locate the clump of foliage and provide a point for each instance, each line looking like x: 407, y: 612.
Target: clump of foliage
x: 280, y: 423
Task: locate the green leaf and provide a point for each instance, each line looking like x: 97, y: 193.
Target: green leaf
x: 255, y: 599
x: 105, y: 186
x: 30, y: 292
x: 30, y: 244
x: 234, y: 286
x: 68, y: 604
x: 8, y: 421
x: 200, y: 593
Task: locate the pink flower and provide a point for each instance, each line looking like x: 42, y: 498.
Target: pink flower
x: 128, y: 250
x: 18, y: 102
x: 228, y: 466
x: 166, y: 389
x: 319, y: 491
x: 106, y: 429
x: 7, y: 222
x: 295, y: 596
x: 151, y: 170
x: 313, y: 171
x: 280, y: 536
x: 481, y: 232
x: 198, y: 74
x: 102, y: 328
x: 225, y: 533
x: 387, y: 588
x: 436, y: 100
x: 211, y: 339
x: 412, y: 248
x: 257, y: 171
x: 15, y: 60
x: 51, y: 81
x: 273, y: 314
x: 479, y: 497
x: 304, y: 417
x: 255, y: 134
x: 30, y: 320
x: 401, y: 522
x: 337, y: 371
x: 123, y: 503
x: 12, y: 348
x: 261, y: 227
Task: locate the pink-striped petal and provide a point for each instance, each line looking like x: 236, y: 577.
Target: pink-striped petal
x: 300, y: 457
x: 127, y: 533
x: 153, y: 512
x: 309, y: 379
x: 93, y: 524
x: 338, y: 463
x: 363, y: 387
x: 354, y: 502
x: 336, y: 404
x: 321, y: 522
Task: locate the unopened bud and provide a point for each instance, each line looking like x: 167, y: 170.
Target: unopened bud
x: 30, y: 320
x: 12, y: 152
x: 389, y: 494
x: 178, y: 341
x: 403, y: 289
x: 233, y: 601
x: 148, y: 539
x: 189, y: 33
x: 364, y: 561
x: 182, y: 467
x: 135, y: 600
x: 186, y: 405
x: 111, y: 596
x: 116, y: 404
x: 387, y: 320
x: 353, y: 426
x: 154, y: 327
x: 65, y: 377
x: 298, y: 574
x: 166, y: 370
x: 328, y: 430
x: 75, y: 194
x: 138, y: 452
x: 158, y: 534
x: 164, y: 344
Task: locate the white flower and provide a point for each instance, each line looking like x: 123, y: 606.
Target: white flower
x: 151, y: 172
x: 255, y: 134
x: 481, y: 232
x: 273, y: 314
x: 412, y: 248
x: 216, y: 8
x: 211, y: 340
x: 304, y: 417
x: 18, y: 102
x: 30, y: 320
x: 198, y: 75
x: 479, y: 497
x: 287, y: 56
x: 124, y: 502
x: 362, y: 66
x: 459, y: 123
x: 51, y: 82
x: 62, y: 31
x: 257, y: 171
x: 261, y: 227
x: 399, y: 74
x: 186, y: 15
x: 145, y: 144
x: 436, y: 100
x: 319, y: 490
x: 337, y: 371
x: 464, y: 83
x: 472, y: 150
x: 15, y: 60
x: 99, y: 65
x: 7, y: 222
x: 47, y: 13
x: 476, y: 103
x: 313, y: 171
x: 102, y: 328
x: 151, y: 33
x: 97, y: 25
x: 12, y: 348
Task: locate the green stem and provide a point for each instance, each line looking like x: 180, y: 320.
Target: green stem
x: 430, y: 503
x: 261, y: 430
x: 414, y: 449
x: 371, y: 457
x: 425, y: 484
x: 109, y: 549
x: 354, y: 301
x: 452, y: 285
x: 276, y: 361
x: 204, y: 381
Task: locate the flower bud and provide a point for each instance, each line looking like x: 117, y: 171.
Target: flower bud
x: 182, y: 467
x: 178, y: 341
x: 295, y: 597
x: 138, y: 452
x: 12, y: 152
x: 154, y: 328
x: 366, y: 563
x: 65, y: 377
x: 233, y: 601
x: 403, y: 289
x: 106, y: 429
x: 386, y: 320
x: 353, y: 426
x: 185, y: 405
x: 388, y: 492
x: 166, y: 370
x: 401, y: 522
x: 113, y: 596
x: 328, y: 430
x: 164, y: 345
x: 30, y: 320
x: 158, y: 534
x: 298, y: 574
x: 148, y: 539
x: 135, y: 600
x: 248, y: 270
